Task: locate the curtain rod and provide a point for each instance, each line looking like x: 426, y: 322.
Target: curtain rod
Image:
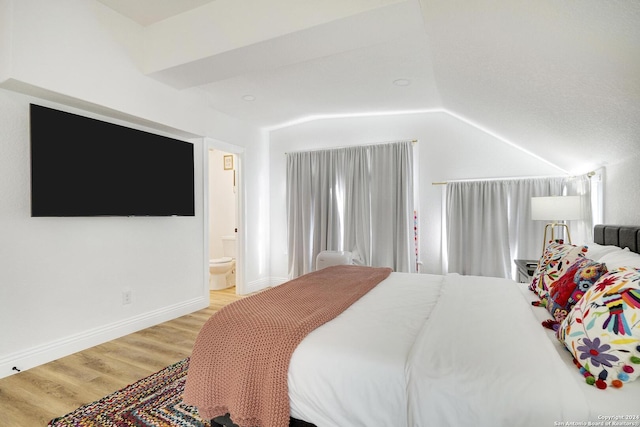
x: 413, y: 142
x: 589, y: 174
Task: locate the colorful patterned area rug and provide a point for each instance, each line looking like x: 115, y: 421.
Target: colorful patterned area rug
x: 153, y: 401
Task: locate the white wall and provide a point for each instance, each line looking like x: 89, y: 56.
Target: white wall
x: 84, y: 50
x: 448, y: 149
x: 622, y: 193
x: 61, y: 279
x: 256, y: 201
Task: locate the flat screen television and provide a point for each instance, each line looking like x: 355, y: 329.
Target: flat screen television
x: 86, y: 167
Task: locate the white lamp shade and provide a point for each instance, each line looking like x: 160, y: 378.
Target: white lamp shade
x: 556, y: 208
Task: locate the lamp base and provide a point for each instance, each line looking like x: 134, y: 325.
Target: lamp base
x: 552, y: 226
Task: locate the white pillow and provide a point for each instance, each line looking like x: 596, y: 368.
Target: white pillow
x: 596, y: 251
x: 624, y: 258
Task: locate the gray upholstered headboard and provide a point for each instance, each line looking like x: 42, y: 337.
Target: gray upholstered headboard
x: 623, y: 236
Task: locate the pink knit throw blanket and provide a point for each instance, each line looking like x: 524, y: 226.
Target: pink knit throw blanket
x: 240, y: 360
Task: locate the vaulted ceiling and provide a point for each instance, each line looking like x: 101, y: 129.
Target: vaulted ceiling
x: 561, y: 79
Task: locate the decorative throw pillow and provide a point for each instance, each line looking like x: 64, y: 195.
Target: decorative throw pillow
x: 602, y: 332
x: 565, y: 292
x: 556, y: 260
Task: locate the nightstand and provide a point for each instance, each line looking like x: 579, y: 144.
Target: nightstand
x: 526, y: 268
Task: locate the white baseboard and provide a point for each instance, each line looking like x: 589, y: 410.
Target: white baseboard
x: 41, y: 354
x: 266, y: 282
x: 275, y: 281
x: 257, y: 285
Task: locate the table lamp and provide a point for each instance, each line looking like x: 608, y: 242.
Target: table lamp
x: 555, y: 209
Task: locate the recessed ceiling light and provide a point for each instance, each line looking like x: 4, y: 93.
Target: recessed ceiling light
x: 249, y: 98
x: 402, y: 82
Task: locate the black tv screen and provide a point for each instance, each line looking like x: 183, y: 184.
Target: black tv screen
x: 86, y: 167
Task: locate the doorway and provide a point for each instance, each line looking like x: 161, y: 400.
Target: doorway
x: 222, y: 217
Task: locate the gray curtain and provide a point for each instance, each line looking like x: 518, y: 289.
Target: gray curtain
x: 357, y: 199
x: 525, y: 234
x: 488, y: 223
x: 581, y: 230
x: 477, y: 228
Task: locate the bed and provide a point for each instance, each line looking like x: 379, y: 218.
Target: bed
x: 427, y: 350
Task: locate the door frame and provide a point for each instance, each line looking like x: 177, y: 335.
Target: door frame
x: 238, y: 151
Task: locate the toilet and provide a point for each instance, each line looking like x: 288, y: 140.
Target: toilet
x: 222, y: 271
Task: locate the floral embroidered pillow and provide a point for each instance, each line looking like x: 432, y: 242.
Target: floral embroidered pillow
x: 602, y: 332
x: 565, y: 292
x: 555, y: 262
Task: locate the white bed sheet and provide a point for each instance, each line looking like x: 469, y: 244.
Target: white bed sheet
x: 426, y: 350
x: 351, y: 371
x: 492, y: 365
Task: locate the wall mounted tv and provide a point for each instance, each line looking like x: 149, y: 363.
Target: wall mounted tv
x: 86, y: 167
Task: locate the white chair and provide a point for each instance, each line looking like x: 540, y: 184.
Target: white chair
x: 329, y: 258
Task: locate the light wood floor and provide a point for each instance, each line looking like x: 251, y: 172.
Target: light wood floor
x: 32, y: 398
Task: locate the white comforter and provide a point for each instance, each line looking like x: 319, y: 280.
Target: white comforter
x: 426, y: 350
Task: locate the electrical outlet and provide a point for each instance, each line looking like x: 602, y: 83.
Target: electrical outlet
x: 126, y: 297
